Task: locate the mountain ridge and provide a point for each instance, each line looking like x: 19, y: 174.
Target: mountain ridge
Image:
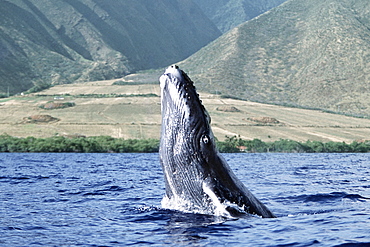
x: 45, y: 41
x: 312, y: 54
x: 227, y: 14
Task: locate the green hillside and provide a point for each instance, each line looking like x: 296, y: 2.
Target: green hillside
x: 312, y: 54
x: 227, y: 14
x: 51, y: 42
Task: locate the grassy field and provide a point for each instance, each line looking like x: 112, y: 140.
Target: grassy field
x: 136, y: 114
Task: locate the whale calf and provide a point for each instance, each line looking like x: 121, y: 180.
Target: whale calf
x: 197, y: 177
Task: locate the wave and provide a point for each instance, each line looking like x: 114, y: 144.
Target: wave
x: 323, y: 197
x: 359, y: 244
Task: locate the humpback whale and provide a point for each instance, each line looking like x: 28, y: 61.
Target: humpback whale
x: 197, y: 177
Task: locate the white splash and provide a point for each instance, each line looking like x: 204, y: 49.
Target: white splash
x: 179, y: 204
x: 219, y: 209
x: 215, y: 207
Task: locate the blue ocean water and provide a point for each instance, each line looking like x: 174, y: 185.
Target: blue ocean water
x: 115, y: 200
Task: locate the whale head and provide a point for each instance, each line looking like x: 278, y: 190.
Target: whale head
x: 187, y: 140
x: 197, y: 178
x: 181, y: 101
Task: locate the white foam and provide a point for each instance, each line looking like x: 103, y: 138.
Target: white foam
x: 211, y: 204
x: 219, y: 208
x: 179, y: 203
x: 215, y: 207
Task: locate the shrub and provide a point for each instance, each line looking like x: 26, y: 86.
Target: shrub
x: 51, y: 105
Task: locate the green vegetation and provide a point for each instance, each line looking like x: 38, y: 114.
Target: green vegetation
x: 230, y: 13
x: 99, y: 95
x: 51, y: 105
x: 113, y: 95
x: 125, y: 83
x: 60, y: 144
x: 277, y: 58
x: 43, y: 48
x: 236, y: 144
x: 107, y: 144
x: 39, y: 88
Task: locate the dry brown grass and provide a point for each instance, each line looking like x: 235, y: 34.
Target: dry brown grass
x: 140, y: 117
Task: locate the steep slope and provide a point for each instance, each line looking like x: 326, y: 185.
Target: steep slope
x: 227, y: 14
x: 304, y: 53
x: 45, y: 41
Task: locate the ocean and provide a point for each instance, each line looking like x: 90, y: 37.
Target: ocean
x: 64, y: 199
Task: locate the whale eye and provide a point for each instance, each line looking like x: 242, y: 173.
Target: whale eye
x: 205, y: 139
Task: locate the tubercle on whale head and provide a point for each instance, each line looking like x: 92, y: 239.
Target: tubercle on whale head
x: 184, y: 118
x: 179, y: 93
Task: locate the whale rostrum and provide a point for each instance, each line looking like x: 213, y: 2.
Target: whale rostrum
x: 197, y: 177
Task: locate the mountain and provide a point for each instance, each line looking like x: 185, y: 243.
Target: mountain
x: 46, y: 41
x: 313, y: 54
x: 227, y: 14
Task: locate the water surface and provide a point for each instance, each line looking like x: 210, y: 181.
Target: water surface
x: 114, y: 200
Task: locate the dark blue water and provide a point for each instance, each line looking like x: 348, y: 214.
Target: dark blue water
x: 114, y: 200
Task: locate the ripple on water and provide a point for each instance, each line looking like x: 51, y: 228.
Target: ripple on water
x: 114, y: 199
